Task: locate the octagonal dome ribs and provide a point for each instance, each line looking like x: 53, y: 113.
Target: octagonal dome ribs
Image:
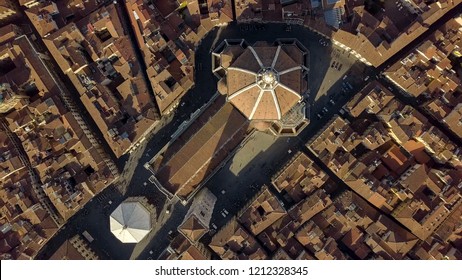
x: 238, y: 78
x: 286, y: 98
x: 276, y: 56
x: 245, y: 102
x: 266, y: 108
x: 284, y: 62
x: 292, y: 80
x: 295, y: 52
x: 266, y: 55
x: 263, y: 83
x: 248, y: 61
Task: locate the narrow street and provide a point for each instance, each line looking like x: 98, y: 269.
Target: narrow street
x: 239, y: 179
x: 125, y: 19
x: 134, y: 179
x: 44, y: 200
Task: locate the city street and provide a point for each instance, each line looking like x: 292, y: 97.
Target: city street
x: 334, y: 77
x: 252, y: 166
x: 243, y: 175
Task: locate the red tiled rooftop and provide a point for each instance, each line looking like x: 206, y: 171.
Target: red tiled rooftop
x: 183, y: 170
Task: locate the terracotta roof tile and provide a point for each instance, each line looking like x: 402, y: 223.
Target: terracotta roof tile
x: 247, y: 61
x: 284, y: 62
x: 262, y: 93
x: 246, y: 102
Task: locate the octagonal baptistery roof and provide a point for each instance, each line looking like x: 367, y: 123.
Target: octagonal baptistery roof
x: 263, y: 81
x: 130, y: 222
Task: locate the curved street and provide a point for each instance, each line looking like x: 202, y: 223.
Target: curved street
x: 93, y: 218
x: 245, y: 172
